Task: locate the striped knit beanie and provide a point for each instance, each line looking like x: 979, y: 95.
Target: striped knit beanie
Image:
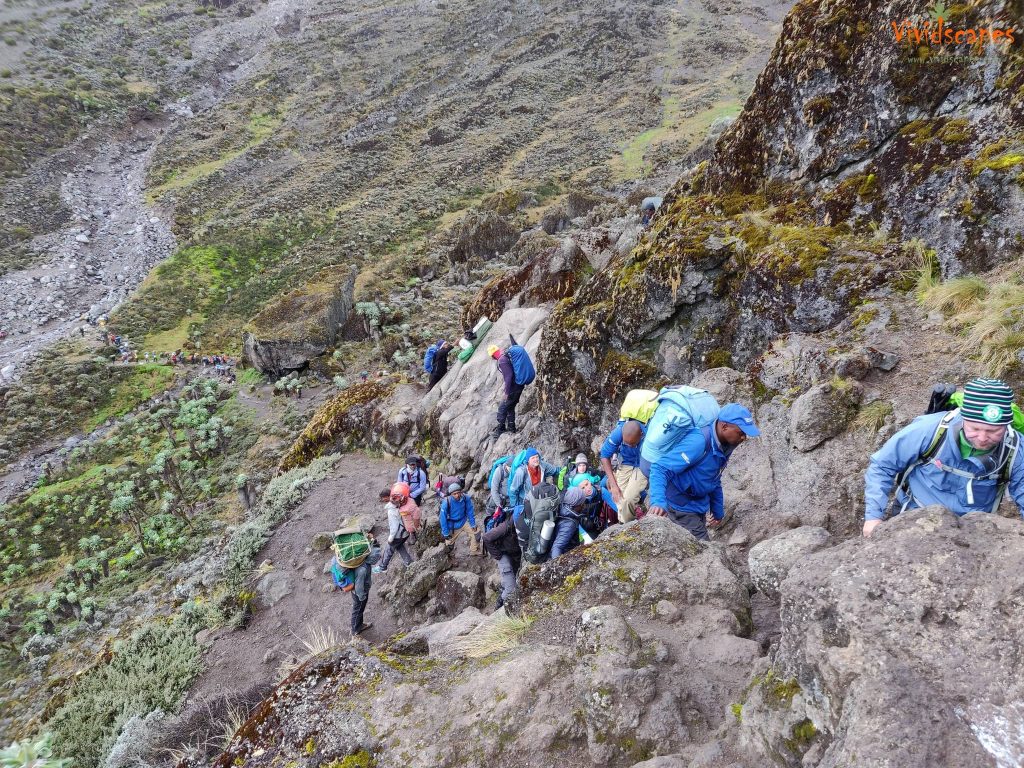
x: 988, y: 401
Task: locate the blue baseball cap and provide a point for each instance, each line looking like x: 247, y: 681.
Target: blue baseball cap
x: 734, y: 413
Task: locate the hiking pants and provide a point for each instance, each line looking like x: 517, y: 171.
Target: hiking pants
x: 389, y: 552
x: 691, y: 521
x: 632, y: 483
x: 465, y: 530
x: 566, y: 536
x: 507, y: 569
x: 507, y: 408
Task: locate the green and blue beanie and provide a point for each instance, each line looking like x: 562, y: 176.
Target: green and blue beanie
x: 989, y: 401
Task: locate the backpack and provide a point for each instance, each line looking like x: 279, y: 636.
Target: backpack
x: 541, y: 505
x: 640, y: 404
x: 496, y: 466
x: 517, y: 462
x: 522, y: 366
x: 680, y: 410
x: 344, y: 578
x: 428, y: 358
x: 351, y: 547
x: 410, y: 512
x: 1009, y: 448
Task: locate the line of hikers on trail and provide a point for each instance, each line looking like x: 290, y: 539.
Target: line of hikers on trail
x: 665, y: 457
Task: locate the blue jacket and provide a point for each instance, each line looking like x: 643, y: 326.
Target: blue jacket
x: 929, y: 484
x: 521, y: 485
x: 684, y: 482
x: 629, y: 456
x: 417, y: 481
x: 454, y: 514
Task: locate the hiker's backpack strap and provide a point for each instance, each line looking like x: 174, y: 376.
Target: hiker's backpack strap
x: 902, y: 480
x: 1012, y: 445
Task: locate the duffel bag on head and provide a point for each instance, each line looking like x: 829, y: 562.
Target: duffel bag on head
x: 680, y: 410
x: 351, y: 547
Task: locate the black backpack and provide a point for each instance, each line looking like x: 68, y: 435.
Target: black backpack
x: 541, y: 505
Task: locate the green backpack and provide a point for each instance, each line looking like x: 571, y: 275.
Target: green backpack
x: 351, y: 547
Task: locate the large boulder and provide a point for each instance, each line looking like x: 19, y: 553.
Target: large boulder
x: 302, y: 324
x: 771, y: 560
x: 900, y: 650
x: 822, y: 412
x: 408, y: 587
x: 458, y: 590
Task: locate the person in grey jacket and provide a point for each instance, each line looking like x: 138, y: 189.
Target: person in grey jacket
x: 398, y: 536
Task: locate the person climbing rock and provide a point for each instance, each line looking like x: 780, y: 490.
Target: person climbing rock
x: 407, y: 508
x: 498, y: 484
x: 590, y: 518
x: 517, y: 372
x: 529, y: 472
x: 964, y: 459
x: 398, y: 536
x: 355, y: 575
x: 627, y: 483
x: 435, y: 362
x: 415, y: 476
x: 502, y: 543
x: 647, y: 209
x: 686, y: 484
x: 568, y: 523
x: 458, y: 519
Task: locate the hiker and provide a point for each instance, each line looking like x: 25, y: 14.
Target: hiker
x: 580, y: 466
x: 627, y: 483
x: 647, y: 208
x: 590, y: 518
x: 964, y: 459
x: 435, y: 362
x: 416, y: 477
x: 502, y: 543
x: 517, y: 371
x: 407, y: 508
x: 527, y: 474
x: 568, y: 523
x: 686, y: 483
x: 498, y: 484
x: 458, y: 518
x: 357, y: 578
x: 398, y: 536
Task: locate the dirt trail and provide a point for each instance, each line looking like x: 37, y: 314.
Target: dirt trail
x: 241, y: 659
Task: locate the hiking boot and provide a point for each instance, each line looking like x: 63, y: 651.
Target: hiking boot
x: 497, y: 431
x: 511, y: 428
x: 377, y: 569
x: 362, y: 629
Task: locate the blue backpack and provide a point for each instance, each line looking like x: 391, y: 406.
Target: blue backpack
x: 680, y: 411
x: 428, y: 358
x: 517, y: 462
x: 495, y: 466
x: 522, y: 365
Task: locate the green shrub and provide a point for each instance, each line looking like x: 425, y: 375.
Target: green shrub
x: 150, y: 671
x: 30, y: 754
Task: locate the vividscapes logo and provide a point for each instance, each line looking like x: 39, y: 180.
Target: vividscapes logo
x: 938, y: 29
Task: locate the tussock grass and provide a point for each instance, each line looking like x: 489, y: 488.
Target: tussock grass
x: 502, y: 634
x: 872, y: 416
x: 988, y: 312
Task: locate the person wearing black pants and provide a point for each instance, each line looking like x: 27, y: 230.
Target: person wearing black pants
x: 361, y: 592
x: 513, y: 391
x: 440, y: 367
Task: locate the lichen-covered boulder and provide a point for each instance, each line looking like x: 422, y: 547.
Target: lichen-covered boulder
x: 899, y: 650
x: 302, y: 324
x: 823, y: 412
x: 406, y: 588
x: 771, y: 561
x: 458, y: 590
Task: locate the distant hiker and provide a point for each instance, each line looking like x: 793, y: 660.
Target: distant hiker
x: 647, y: 210
x: 528, y: 470
x: 458, y: 519
x: 416, y: 477
x: 579, y: 466
x: 964, y: 459
x: 407, y: 508
x: 568, y: 524
x: 517, y: 372
x: 435, y: 361
x: 686, y: 483
x: 355, y: 554
x: 398, y: 536
x: 502, y: 543
x: 627, y: 483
